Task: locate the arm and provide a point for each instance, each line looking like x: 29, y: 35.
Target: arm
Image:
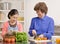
x: 50, y: 30
x: 31, y: 27
x: 4, y: 28
x: 20, y: 27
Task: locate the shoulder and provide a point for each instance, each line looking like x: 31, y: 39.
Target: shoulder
x: 50, y: 19
x: 6, y: 23
x: 35, y: 18
x: 19, y: 24
x: 20, y: 27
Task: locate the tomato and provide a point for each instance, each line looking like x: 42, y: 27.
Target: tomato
x: 9, y: 40
x: 6, y: 39
x: 12, y: 39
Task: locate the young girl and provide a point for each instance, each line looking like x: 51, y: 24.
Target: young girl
x: 12, y: 23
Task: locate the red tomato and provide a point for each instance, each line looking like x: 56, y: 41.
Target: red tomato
x: 9, y: 40
x: 13, y: 39
x: 6, y: 39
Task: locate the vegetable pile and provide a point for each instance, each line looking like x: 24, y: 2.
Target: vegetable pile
x: 21, y: 36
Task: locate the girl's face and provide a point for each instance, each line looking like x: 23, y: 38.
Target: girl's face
x: 39, y: 13
x: 14, y: 18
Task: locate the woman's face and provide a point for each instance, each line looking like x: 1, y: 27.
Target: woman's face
x: 39, y: 13
x: 14, y: 18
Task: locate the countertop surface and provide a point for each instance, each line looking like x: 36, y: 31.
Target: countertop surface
x: 30, y: 42
x: 26, y: 43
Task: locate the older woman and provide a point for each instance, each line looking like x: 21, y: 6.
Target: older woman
x: 12, y: 23
x: 42, y: 25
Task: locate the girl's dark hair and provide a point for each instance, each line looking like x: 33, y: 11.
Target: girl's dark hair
x: 12, y: 12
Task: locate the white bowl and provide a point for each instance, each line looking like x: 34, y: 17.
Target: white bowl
x: 54, y: 39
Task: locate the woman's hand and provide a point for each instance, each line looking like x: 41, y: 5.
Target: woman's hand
x: 33, y: 32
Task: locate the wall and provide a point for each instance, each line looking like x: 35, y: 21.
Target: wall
x: 28, y: 13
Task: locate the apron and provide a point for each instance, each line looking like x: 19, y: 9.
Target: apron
x: 13, y: 28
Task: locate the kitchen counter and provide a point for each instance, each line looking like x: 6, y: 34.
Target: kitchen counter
x: 26, y: 42
x: 31, y: 41
x: 14, y: 43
